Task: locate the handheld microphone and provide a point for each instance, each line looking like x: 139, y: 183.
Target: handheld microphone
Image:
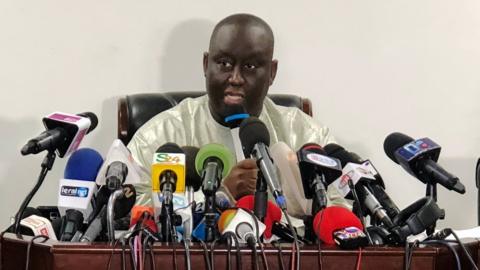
x: 71, y: 223
x: 376, y: 187
x: 273, y: 214
x: 234, y: 116
x: 77, y: 188
x: 64, y: 133
x: 318, y: 171
x: 120, y: 153
x: 419, y: 158
x: 39, y: 226
x: 333, y: 219
x: 255, y: 140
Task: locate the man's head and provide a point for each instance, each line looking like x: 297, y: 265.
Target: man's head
x: 238, y: 66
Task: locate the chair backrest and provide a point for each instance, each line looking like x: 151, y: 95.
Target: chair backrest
x: 134, y: 110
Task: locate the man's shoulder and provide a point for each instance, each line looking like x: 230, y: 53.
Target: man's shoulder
x: 176, y: 116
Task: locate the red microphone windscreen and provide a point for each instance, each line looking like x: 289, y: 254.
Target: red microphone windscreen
x: 331, y: 219
x: 273, y: 212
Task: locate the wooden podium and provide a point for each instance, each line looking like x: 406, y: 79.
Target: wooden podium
x: 72, y: 256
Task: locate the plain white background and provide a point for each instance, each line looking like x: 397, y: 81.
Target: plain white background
x: 369, y: 67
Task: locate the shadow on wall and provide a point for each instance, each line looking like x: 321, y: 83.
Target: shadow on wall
x: 181, y: 62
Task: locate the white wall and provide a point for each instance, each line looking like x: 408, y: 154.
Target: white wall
x: 370, y: 67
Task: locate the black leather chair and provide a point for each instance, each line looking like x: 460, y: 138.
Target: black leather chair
x: 135, y: 110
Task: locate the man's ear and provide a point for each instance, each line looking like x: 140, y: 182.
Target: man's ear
x: 273, y: 71
x: 205, y: 63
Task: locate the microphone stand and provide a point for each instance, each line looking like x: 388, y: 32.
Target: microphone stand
x: 261, y: 198
x: 209, y: 217
x: 46, y: 165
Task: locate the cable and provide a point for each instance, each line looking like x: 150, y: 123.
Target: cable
x: 320, y: 265
x: 465, y: 250
x: 295, y: 238
x: 277, y: 245
x: 264, y: 257
x: 362, y: 220
x: 205, y: 255
x: 409, y: 255
x: 359, y: 259
x: 188, y: 261
x: 174, y: 256
x: 29, y: 246
x: 152, y: 257
x: 212, y: 248
x: 446, y: 243
x: 228, y: 238
x: 255, y: 257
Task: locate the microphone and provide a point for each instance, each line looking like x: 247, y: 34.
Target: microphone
x: 255, y: 140
x: 419, y: 158
x: 339, y: 222
x: 64, y: 133
x: 38, y: 226
x: 168, y: 176
x: 377, y: 187
x: 77, y: 188
x: 317, y: 171
x: 119, y: 152
x: 121, y: 208
x: 273, y: 214
x: 213, y: 162
x: 234, y: 116
x: 71, y: 223
x: 241, y: 224
x: 193, y: 182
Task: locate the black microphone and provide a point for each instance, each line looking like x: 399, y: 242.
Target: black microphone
x: 64, y: 133
x: 255, y: 141
x: 419, y: 158
x: 366, y: 197
x: 377, y: 187
x: 317, y: 171
x: 116, y: 174
x: 71, y: 223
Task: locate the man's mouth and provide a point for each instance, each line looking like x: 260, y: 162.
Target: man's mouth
x: 233, y: 98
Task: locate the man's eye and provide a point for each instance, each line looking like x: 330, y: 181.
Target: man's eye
x: 224, y: 63
x: 250, y: 66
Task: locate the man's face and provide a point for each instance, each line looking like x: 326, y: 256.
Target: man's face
x: 238, y: 69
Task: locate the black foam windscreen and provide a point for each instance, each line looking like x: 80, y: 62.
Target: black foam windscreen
x: 93, y: 120
x: 169, y: 148
x: 253, y: 131
x: 337, y: 151
x: 192, y: 178
x: 393, y: 142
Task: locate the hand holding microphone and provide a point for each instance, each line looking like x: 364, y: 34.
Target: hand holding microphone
x: 242, y: 179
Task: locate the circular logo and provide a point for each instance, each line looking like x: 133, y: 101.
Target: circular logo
x: 321, y: 160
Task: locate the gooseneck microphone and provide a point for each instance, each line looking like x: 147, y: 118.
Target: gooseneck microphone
x: 213, y: 162
x: 419, y: 158
x: 255, y: 140
x: 64, y: 133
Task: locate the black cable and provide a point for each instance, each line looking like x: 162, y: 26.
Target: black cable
x: 405, y: 257
x: 29, y: 246
x: 174, y: 256
x: 361, y: 217
x: 465, y: 250
x: 255, y: 257
x: 264, y: 257
x: 446, y: 243
x: 205, y: 255
x: 409, y: 253
x: 212, y: 249
x: 239, y: 253
x: 277, y: 245
x: 320, y: 265
x: 295, y: 238
x: 152, y: 257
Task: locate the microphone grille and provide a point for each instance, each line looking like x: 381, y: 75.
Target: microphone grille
x: 393, y: 142
x: 253, y: 131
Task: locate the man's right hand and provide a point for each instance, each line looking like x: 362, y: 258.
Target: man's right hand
x: 242, y: 179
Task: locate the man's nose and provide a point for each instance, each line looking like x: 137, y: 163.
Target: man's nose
x: 236, y: 77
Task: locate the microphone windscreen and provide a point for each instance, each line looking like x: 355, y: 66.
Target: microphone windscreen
x: 124, y: 205
x: 225, y: 219
x: 193, y: 179
x: 93, y: 120
x: 217, y: 151
x: 331, y: 219
x: 393, y: 142
x: 253, y: 131
x: 83, y: 164
x: 337, y: 151
x: 169, y: 148
x: 273, y: 212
